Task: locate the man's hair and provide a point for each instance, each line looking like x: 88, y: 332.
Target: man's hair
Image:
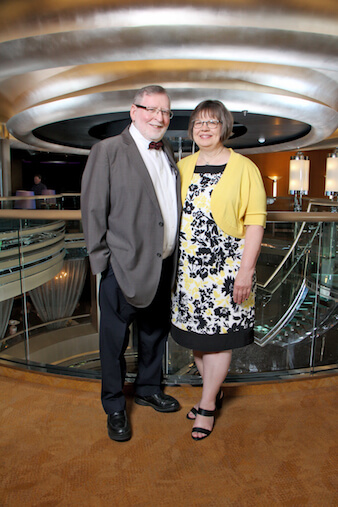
x: 149, y: 90
x: 216, y: 109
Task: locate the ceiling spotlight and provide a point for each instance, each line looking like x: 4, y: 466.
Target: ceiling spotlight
x: 261, y: 139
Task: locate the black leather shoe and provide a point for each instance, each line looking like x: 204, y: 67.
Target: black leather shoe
x: 118, y: 426
x: 160, y: 402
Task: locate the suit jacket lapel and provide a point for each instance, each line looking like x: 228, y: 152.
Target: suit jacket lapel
x: 174, y: 168
x: 170, y: 156
x: 137, y: 162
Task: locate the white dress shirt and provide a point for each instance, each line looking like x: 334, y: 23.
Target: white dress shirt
x: 164, y: 181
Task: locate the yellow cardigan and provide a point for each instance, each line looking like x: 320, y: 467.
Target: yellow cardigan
x: 239, y: 197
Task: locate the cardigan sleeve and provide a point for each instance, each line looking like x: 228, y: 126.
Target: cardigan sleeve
x: 255, y: 213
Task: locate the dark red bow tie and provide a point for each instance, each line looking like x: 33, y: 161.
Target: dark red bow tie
x: 156, y: 146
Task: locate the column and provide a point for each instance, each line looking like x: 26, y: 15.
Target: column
x: 5, y: 163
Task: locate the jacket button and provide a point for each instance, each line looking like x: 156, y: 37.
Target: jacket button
x: 161, y: 224
x: 159, y: 255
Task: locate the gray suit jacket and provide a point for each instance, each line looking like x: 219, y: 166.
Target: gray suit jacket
x: 121, y: 217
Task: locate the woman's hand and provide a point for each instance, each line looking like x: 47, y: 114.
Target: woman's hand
x: 252, y: 246
x: 243, y: 285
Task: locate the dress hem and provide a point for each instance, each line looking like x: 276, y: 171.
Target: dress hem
x: 213, y: 343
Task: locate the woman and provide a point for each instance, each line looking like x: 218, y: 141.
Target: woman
x: 222, y: 227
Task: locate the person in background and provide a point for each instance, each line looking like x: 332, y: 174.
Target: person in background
x: 131, y: 206
x: 38, y: 186
x: 224, y: 213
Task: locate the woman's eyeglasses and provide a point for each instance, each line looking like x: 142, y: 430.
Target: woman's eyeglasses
x: 211, y: 124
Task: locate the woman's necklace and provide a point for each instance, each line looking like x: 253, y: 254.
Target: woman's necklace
x: 213, y: 157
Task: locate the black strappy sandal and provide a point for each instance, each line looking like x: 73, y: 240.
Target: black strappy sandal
x: 219, y: 399
x: 194, y: 411
x: 219, y: 403
x: 205, y: 413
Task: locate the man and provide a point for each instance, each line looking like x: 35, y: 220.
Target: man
x: 130, y: 211
x: 38, y: 186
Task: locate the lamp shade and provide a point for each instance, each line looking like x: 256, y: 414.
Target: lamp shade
x: 331, y: 180
x: 25, y: 203
x: 299, y: 174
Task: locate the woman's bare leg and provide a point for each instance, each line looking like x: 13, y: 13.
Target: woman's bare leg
x: 215, y: 369
x: 198, y: 358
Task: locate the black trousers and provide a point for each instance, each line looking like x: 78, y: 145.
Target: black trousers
x: 153, y: 323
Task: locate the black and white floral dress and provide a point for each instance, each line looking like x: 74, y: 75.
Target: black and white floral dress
x: 204, y: 315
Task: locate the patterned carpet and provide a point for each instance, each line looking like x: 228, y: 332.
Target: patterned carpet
x: 274, y: 444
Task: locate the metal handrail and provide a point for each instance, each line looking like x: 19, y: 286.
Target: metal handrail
x: 38, y: 197
x: 332, y: 217
x: 288, y: 255
x: 62, y: 214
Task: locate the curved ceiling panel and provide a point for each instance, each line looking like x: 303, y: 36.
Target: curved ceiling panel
x: 68, y: 72
x: 84, y: 132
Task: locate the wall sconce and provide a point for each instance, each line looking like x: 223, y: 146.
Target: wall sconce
x: 331, y: 179
x: 274, y: 184
x: 299, y: 178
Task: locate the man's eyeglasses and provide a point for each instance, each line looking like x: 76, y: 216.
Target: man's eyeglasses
x: 154, y: 110
x: 211, y: 124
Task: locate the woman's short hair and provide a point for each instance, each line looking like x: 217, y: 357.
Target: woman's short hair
x: 215, y: 109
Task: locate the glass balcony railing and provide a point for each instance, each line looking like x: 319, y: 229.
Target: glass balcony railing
x: 48, y: 298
